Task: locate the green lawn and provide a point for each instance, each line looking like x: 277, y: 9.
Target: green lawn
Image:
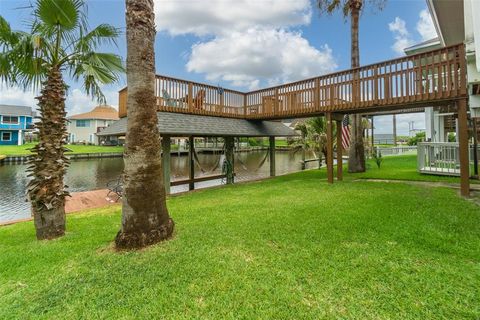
x: 23, y: 150
x: 400, y: 168
x: 292, y: 247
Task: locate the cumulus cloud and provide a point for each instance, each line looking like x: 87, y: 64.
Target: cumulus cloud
x: 425, y: 26
x: 402, y: 36
x: 202, y: 17
x: 77, y: 101
x: 244, y: 58
x: 246, y: 42
x: 16, y: 96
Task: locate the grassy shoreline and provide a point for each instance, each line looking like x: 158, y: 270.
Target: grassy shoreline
x: 291, y: 247
x: 75, y: 149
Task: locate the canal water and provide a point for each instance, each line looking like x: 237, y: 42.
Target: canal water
x: 92, y: 174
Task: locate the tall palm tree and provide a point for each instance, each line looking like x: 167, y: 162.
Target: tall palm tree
x: 145, y: 218
x: 352, y: 8
x: 58, y: 43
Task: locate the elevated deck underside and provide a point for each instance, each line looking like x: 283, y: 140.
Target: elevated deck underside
x: 435, y: 78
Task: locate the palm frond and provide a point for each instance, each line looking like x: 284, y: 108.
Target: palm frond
x: 65, y: 14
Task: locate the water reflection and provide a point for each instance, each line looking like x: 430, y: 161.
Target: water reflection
x: 91, y: 174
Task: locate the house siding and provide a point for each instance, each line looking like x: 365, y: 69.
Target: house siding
x: 23, y: 123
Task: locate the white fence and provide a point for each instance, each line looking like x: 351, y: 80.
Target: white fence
x: 440, y: 158
x: 394, y: 151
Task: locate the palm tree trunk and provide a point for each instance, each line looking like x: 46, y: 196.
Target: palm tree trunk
x: 48, y: 165
x: 145, y: 218
x: 356, y: 154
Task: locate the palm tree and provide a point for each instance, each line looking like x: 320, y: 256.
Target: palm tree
x: 58, y: 42
x: 145, y: 218
x: 313, y: 133
x: 356, y: 154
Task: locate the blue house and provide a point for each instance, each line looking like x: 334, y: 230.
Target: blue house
x: 14, y: 122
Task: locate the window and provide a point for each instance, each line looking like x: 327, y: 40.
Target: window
x: 83, y: 123
x: 6, y: 136
x: 10, y: 119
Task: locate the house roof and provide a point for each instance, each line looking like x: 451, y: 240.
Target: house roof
x: 178, y: 124
x: 104, y: 112
x: 9, y: 110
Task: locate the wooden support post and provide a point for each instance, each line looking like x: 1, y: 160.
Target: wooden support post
x: 394, y: 120
x: 339, y: 151
x: 373, y: 138
x: 463, y: 147
x: 329, y: 147
x: 166, y: 162
x: 229, y: 145
x: 272, y: 156
x: 191, y: 162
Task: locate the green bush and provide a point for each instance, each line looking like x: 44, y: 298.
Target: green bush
x: 419, y: 137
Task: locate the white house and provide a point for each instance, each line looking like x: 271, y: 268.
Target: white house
x: 456, y: 21
x: 83, y: 128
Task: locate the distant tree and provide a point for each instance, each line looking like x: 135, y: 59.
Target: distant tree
x: 452, y: 137
x: 145, y: 218
x: 352, y: 8
x: 59, y: 42
x: 419, y: 137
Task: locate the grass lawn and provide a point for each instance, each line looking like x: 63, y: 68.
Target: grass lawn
x: 400, y: 168
x: 292, y: 247
x: 23, y: 150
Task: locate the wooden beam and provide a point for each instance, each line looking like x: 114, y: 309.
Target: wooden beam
x: 329, y: 148
x: 272, y: 156
x: 191, y: 163
x: 199, y: 179
x: 463, y: 147
x: 166, y: 162
x: 339, y: 151
x: 229, y: 145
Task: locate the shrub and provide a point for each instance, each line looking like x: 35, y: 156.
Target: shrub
x: 377, y: 156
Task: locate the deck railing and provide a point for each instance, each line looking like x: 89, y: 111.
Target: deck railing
x: 413, y: 80
x: 441, y: 158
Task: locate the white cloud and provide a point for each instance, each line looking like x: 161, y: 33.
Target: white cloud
x: 16, y: 96
x: 403, y: 38
x: 77, y: 101
x: 246, y: 58
x: 202, y: 17
x: 425, y: 26
x: 401, y: 35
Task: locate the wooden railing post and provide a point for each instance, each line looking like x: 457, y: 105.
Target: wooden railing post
x: 190, y: 96
x: 332, y: 97
x: 276, y: 104
x: 316, y: 94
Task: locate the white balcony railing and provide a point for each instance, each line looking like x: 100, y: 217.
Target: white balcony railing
x: 440, y: 158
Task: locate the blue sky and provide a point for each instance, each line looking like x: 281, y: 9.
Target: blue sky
x: 246, y: 44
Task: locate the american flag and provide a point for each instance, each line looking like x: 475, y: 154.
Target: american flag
x: 345, y: 132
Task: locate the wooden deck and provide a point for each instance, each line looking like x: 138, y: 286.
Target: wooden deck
x: 433, y: 78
